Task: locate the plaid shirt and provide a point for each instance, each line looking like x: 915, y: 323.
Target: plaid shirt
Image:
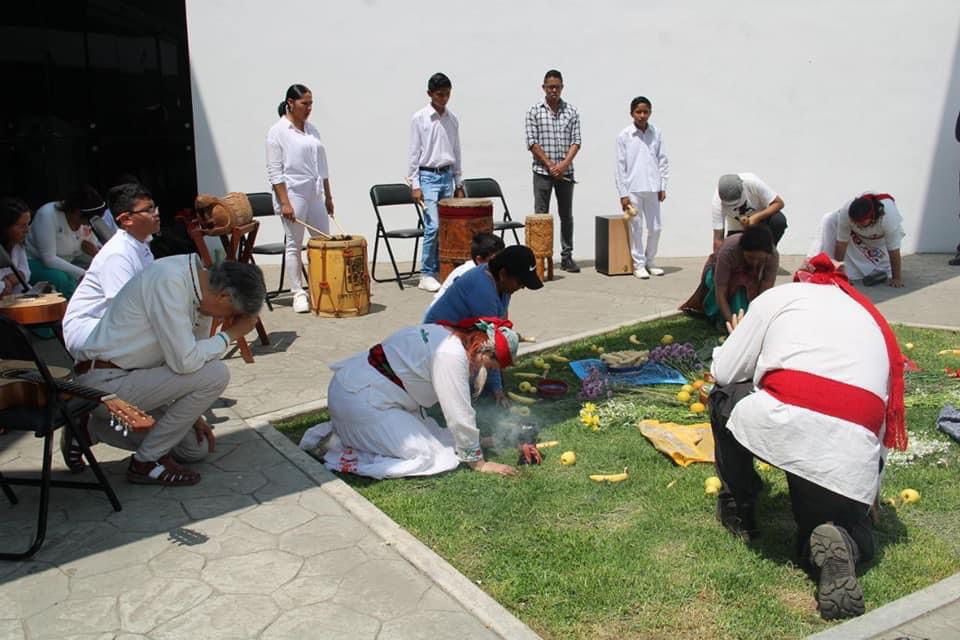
x: 554, y: 132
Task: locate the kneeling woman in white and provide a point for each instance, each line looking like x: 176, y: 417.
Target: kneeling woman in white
x: 865, y: 234
x: 377, y: 401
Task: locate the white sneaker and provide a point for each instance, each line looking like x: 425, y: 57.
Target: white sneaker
x: 429, y: 283
x: 301, y: 302
x: 655, y: 271
x: 642, y: 273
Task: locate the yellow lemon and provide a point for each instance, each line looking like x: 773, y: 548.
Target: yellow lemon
x: 711, y: 485
x: 910, y: 495
x: 909, y: 346
x: 683, y: 397
x: 890, y: 502
x: 600, y: 349
x: 667, y: 339
x: 568, y: 458
x: 686, y: 388
x: 763, y: 466
x: 538, y: 361
x: 697, y: 407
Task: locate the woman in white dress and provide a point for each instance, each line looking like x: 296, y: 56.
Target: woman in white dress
x: 14, y: 225
x: 865, y: 234
x: 298, y: 174
x: 377, y: 400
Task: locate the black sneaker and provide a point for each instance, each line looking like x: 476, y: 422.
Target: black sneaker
x: 737, y: 520
x: 567, y: 264
x: 839, y: 594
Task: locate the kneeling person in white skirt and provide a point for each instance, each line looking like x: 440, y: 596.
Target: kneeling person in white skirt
x: 865, y: 234
x: 378, y: 398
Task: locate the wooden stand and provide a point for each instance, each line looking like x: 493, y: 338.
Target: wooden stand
x: 612, y: 249
x: 238, y: 245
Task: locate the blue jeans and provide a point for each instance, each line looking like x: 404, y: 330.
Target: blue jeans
x: 435, y: 186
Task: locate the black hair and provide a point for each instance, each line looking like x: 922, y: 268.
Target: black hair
x: 123, y: 197
x: 640, y: 100
x: 865, y: 207
x: 86, y: 199
x: 553, y: 73
x: 294, y: 92
x: 438, y: 81
x: 756, y: 237
x: 10, y: 211
x: 485, y: 245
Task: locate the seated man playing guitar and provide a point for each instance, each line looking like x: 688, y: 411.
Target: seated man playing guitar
x: 152, y: 348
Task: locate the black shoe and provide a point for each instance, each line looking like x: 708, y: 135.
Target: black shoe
x: 567, y: 264
x: 738, y: 520
x: 839, y: 594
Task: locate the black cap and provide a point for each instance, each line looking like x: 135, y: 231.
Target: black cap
x: 519, y: 262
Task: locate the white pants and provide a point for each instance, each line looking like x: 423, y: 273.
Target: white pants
x: 175, y: 400
x: 310, y: 208
x: 379, y: 431
x: 648, y: 215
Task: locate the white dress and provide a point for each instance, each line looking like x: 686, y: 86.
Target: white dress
x: 381, y: 430
x: 868, y: 248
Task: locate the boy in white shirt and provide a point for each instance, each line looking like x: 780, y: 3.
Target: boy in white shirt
x: 434, y: 168
x: 641, y: 176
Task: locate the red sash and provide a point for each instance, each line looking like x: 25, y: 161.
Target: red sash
x: 826, y: 396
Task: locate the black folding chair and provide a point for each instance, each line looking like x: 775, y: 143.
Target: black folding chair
x: 489, y: 188
x: 57, y: 411
x: 262, y: 205
x: 387, y: 195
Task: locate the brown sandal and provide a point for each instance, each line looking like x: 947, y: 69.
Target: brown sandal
x: 164, y: 471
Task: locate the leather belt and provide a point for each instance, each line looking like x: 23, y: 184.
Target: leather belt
x: 436, y: 169
x: 85, y: 366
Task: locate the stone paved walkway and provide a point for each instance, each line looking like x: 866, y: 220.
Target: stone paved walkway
x: 270, y: 545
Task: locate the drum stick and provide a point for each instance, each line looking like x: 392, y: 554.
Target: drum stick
x: 339, y: 228
x: 323, y: 235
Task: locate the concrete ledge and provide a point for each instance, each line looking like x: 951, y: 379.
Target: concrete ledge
x: 895, y: 613
x: 487, y: 610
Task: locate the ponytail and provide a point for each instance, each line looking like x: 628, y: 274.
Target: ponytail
x: 282, y: 109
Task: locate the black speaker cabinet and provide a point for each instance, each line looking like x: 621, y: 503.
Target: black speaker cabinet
x: 613, y: 246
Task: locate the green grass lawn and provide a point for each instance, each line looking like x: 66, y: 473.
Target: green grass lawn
x: 646, y: 558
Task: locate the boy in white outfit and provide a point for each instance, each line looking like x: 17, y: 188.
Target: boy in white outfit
x: 642, y: 173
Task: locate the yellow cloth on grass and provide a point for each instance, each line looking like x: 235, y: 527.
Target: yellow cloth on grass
x: 683, y: 443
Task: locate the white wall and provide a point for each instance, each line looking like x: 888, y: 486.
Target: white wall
x: 822, y: 99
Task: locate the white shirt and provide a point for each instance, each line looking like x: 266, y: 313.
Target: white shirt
x: 434, y: 143
x: 433, y: 366
x: 155, y: 320
x: 889, y: 228
x: 115, y: 264
x: 642, y: 164
x: 817, y: 329
x: 53, y: 242
x: 18, y: 256
x: 448, y: 281
x: 756, y: 196
x: 297, y: 159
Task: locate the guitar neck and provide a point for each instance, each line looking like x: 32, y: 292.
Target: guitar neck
x: 73, y: 388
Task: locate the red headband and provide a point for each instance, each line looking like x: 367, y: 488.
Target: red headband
x: 824, y: 272
x: 873, y: 198
x: 500, y: 345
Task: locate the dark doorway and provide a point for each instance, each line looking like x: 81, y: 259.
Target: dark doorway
x: 92, y: 90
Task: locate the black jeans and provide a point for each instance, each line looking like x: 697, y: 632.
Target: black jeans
x: 812, y: 504
x: 777, y: 223
x: 542, y: 186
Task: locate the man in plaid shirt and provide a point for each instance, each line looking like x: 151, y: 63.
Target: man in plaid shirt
x: 553, y: 137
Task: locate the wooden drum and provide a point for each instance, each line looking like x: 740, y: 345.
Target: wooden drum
x: 339, y: 281
x: 539, y: 237
x: 460, y: 220
x: 218, y: 216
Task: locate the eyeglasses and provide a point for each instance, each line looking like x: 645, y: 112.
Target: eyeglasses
x: 149, y: 210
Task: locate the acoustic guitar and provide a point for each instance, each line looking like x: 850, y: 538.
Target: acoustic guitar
x: 30, y: 309
x: 22, y: 385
